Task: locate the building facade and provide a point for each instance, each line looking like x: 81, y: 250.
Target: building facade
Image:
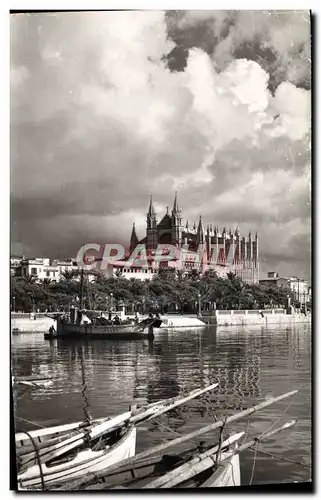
x: 225, y: 251
x: 300, y: 288
x: 42, y: 268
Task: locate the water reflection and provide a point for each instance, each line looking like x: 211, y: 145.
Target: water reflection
x: 104, y: 377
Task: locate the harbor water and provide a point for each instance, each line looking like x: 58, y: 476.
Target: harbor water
x: 250, y: 364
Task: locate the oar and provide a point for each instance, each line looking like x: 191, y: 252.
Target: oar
x: 184, y: 438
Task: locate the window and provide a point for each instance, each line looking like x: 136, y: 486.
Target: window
x: 34, y: 271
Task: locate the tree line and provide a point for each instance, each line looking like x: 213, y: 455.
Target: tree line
x: 168, y: 291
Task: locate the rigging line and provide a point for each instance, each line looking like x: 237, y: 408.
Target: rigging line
x: 38, y: 459
x: 278, y: 420
x: 254, y: 463
x: 88, y: 418
x: 220, y: 440
x: 246, y: 430
x: 29, y: 422
x: 282, y: 458
x: 171, y: 430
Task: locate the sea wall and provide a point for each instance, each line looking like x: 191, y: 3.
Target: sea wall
x: 24, y: 323
x: 176, y: 321
x: 255, y: 317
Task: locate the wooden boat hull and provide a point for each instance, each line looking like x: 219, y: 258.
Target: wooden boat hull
x: 87, y: 461
x: 228, y: 473
x: 140, y: 476
x: 68, y: 330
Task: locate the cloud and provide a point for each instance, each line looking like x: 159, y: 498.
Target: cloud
x: 100, y: 119
x: 278, y: 40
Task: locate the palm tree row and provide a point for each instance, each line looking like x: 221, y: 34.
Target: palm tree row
x: 167, y: 291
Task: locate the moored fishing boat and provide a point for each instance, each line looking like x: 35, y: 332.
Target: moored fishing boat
x: 47, y: 457
x: 87, y: 329
x: 86, y: 323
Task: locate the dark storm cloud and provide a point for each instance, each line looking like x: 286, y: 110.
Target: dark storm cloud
x: 277, y: 40
x: 107, y: 108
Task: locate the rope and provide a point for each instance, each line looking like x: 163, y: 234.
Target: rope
x: 173, y: 432
x: 88, y: 418
x: 246, y: 430
x: 264, y: 432
x: 278, y: 420
x: 29, y: 422
x: 282, y: 458
x: 38, y: 459
x: 254, y: 462
x: 220, y: 441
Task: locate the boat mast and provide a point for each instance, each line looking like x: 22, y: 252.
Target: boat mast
x: 81, y: 288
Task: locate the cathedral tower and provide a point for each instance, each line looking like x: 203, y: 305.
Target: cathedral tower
x: 133, y: 240
x: 177, y: 227
x: 151, y: 227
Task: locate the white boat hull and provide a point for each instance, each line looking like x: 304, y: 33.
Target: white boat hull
x: 85, y: 462
x: 228, y: 473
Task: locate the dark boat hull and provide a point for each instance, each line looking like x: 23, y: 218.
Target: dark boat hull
x: 68, y: 330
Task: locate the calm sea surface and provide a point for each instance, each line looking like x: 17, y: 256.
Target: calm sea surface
x: 107, y: 376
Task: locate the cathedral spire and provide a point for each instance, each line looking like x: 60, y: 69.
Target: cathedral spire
x: 133, y: 239
x: 200, y: 237
x: 151, y: 210
x: 175, y: 205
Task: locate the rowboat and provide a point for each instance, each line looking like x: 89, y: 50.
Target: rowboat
x: 211, y: 467
x: 47, y: 457
x: 32, y: 381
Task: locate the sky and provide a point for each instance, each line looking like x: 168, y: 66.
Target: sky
x: 110, y: 107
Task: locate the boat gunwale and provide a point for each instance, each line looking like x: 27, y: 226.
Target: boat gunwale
x: 131, y: 430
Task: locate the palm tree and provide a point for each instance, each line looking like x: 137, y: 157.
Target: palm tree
x: 238, y: 294
x: 29, y: 279
x: 118, y: 273
x: 69, y: 275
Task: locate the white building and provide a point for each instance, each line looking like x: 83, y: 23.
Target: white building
x: 300, y: 288
x: 15, y: 261
x: 42, y: 268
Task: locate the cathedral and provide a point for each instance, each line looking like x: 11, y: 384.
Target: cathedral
x: 171, y: 230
